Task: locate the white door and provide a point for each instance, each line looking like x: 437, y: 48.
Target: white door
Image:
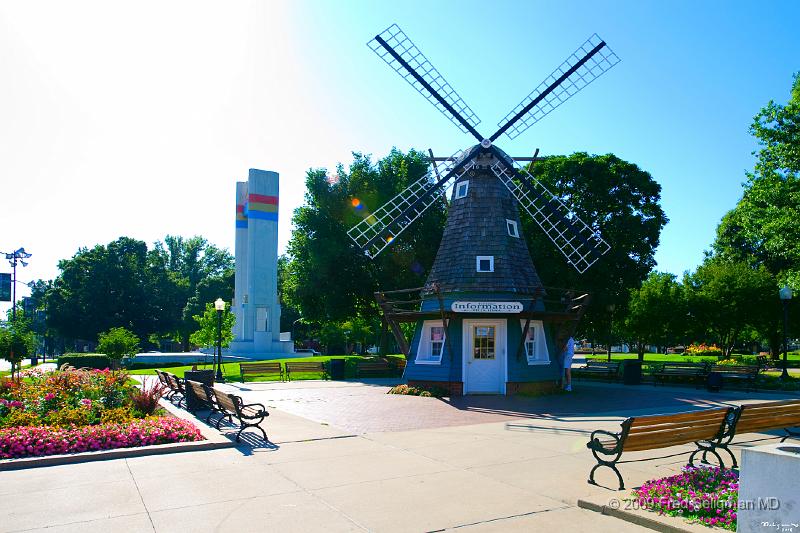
x: 484, y: 356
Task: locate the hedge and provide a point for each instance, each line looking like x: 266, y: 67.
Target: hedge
x: 85, y: 360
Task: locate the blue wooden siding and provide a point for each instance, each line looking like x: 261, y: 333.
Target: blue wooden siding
x: 450, y: 369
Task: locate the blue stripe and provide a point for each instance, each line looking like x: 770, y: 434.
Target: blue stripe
x: 263, y: 216
x: 241, y: 223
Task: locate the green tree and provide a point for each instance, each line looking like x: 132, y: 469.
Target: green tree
x: 109, y: 286
x: 117, y: 343
x: 200, y: 272
x: 328, y: 279
x: 17, y: 340
x: 206, y: 333
x: 624, y: 202
x: 725, y: 298
x: 656, y: 312
x: 762, y: 229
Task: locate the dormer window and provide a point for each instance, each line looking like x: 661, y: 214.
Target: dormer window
x: 461, y: 189
x: 484, y: 263
x: 511, y: 226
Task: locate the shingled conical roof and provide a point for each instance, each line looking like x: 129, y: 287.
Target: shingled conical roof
x: 478, y: 225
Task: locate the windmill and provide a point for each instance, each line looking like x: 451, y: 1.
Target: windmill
x: 482, y: 256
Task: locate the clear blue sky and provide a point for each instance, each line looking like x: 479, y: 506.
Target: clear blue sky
x: 137, y: 119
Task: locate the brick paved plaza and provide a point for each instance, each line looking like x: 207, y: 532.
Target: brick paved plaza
x: 348, y: 457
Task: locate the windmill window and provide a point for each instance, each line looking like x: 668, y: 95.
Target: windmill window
x: 461, y: 189
x: 535, y: 343
x: 484, y: 263
x: 431, y: 343
x: 511, y: 226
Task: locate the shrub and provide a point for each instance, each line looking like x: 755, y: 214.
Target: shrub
x: 74, y: 416
x: 88, y: 360
x: 405, y: 390
x: 118, y: 415
x: 20, y: 418
x: 145, y: 400
x: 118, y: 343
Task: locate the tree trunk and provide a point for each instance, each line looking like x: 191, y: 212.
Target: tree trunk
x: 640, y: 350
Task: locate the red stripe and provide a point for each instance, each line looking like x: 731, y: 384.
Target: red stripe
x: 263, y: 199
x: 240, y: 208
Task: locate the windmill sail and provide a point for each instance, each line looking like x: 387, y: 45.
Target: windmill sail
x: 397, y: 50
x: 581, y: 244
x: 591, y: 60
x: 379, y: 229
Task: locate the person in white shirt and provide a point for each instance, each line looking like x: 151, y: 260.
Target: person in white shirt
x: 568, y: 352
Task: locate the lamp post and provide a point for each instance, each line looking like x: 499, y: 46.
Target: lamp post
x: 610, y: 308
x: 219, y: 305
x: 17, y: 256
x: 785, y: 295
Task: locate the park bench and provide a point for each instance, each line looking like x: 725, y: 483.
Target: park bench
x: 248, y: 415
x: 374, y: 368
x: 762, y: 361
x: 609, y: 369
x: 304, y: 367
x: 659, y: 431
x: 696, y: 371
x: 261, y: 369
x: 759, y: 417
x: 204, y: 396
x: 746, y: 373
x: 174, y: 384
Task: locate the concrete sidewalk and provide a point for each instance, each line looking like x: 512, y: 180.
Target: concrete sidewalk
x: 517, y: 473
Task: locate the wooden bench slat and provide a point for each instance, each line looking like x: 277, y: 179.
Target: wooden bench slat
x: 671, y: 437
x: 678, y: 417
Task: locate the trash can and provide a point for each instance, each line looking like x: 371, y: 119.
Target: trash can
x: 632, y: 372
x: 337, y: 369
x: 714, y: 382
x: 201, y: 376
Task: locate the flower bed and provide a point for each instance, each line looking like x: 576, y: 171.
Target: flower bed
x: 707, y: 496
x: 72, y: 411
x: 703, y: 350
x: 37, y: 441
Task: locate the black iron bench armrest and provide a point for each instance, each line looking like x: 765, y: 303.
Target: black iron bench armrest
x: 594, y: 443
x: 261, y: 412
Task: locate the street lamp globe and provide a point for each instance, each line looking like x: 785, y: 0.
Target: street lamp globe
x: 219, y: 305
x: 785, y: 293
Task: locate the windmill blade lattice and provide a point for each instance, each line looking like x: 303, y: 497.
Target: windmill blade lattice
x: 379, y: 229
x: 397, y: 50
x: 580, y: 244
x: 591, y: 60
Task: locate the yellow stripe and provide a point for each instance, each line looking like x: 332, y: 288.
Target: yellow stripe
x: 265, y: 208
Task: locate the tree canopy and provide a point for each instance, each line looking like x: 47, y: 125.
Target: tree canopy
x: 206, y: 334
x: 624, y: 201
x: 657, y: 312
x: 763, y: 228
x: 125, y: 285
x: 328, y: 278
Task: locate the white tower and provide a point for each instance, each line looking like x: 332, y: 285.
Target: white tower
x: 255, y: 303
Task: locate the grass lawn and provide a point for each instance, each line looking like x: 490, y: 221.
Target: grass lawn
x: 231, y: 370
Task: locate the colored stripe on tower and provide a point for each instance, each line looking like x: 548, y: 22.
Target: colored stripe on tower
x: 241, y: 217
x: 262, y: 199
x: 263, y: 216
x: 262, y: 207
